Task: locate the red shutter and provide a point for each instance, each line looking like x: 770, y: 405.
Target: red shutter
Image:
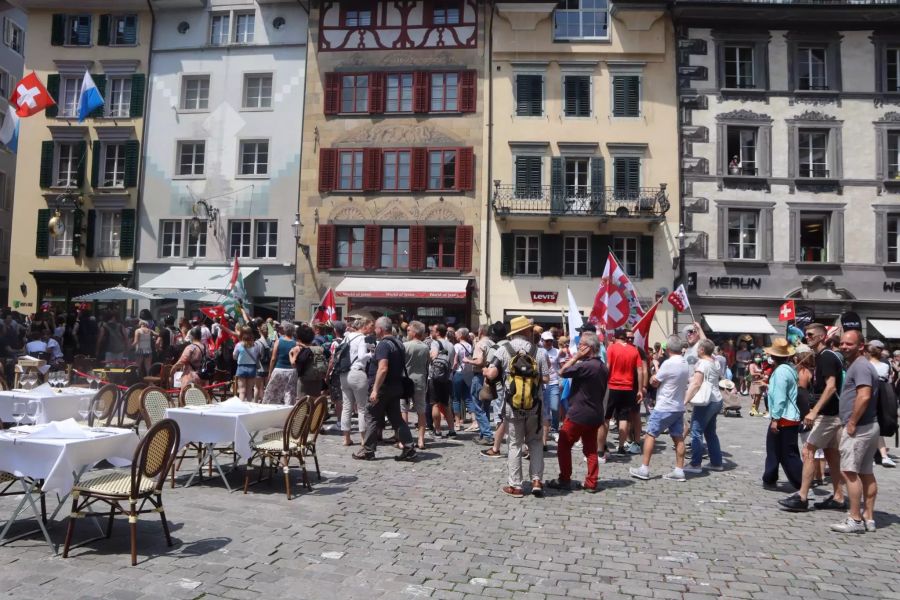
x: 328, y: 158
x: 468, y: 87
x: 465, y: 161
x: 372, y: 248
x: 332, y: 93
x: 372, y: 170
x: 420, y: 92
x: 325, y: 250
x: 419, y: 176
x: 464, y: 241
x: 376, y: 93
x: 416, y: 247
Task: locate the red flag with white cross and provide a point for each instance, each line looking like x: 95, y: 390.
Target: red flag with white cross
x: 787, y: 311
x: 30, y: 96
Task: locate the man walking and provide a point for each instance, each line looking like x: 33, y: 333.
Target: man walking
x: 625, y: 366
x: 417, y: 357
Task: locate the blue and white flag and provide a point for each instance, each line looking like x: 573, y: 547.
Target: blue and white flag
x: 90, y: 99
x: 575, y: 323
x: 9, y: 131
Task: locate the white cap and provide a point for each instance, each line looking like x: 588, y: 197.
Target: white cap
x: 547, y: 336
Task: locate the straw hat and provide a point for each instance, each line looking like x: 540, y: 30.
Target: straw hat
x: 518, y: 324
x: 726, y: 384
x: 780, y: 347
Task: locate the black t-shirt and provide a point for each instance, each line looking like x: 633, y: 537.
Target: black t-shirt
x: 589, y: 378
x: 827, y: 365
x: 392, y: 350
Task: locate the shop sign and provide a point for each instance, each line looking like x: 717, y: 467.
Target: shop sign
x: 544, y: 297
x: 286, y: 309
x: 735, y: 283
x: 438, y: 294
x: 891, y: 286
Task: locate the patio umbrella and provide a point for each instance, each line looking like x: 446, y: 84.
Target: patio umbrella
x: 208, y: 296
x: 116, y: 293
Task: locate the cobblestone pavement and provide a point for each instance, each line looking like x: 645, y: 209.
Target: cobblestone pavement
x: 440, y: 528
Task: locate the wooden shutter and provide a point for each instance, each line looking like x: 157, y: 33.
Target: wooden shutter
x: 507, y: 254
x: 80, y: 151
x: 47, y: 156
x: 420, y: 92
x: 570, y: 94
x: 376, y: 93
x: 126, y: 234
x: 467, y: 91
x: 529, y: 95
x: 528, y: 176
x: 103, y: 33
x: 89, y: 239
x: 584, y: 96
x: 465, y: 164
x: 77, y: 216
x: 372, y: 248
x: 132, y: 160
x: 42, y: 239
x: 417, y: 249
x: 95, y: 165
x: 551, y: 255
x: 419, y: 167
x: 557, y: 184
x: 328, y: 158
x: 372, y: 169
x: 626, y: 95
x: 58, y: 32
x: 627, y: 176
x: 646, y: 267
x: 53, y: 90
x: 465, y: 238
x: 332, y: 93
x: 325, y: 248
x: 598, y: 183
x: 100, y: 82
x: 138, y: 87
x: 599, y: 252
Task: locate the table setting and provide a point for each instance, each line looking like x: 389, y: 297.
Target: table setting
x: 55, y: 400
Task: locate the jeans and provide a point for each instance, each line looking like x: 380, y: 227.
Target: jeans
x: 551, y: 404
x: 461, y: 393
x: 782, y: 449
x: 703, y: 425
x: 484, y: 424
x: 569, y: 433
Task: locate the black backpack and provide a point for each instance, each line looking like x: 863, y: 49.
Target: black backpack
x: 885, y: 408
x: 207, y: 365
x: 342, y: 359
x: 440, y: 365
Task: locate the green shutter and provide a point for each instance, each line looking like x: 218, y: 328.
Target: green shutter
x: 81, y: 150
x: 507, y: 254
x: 126, y: 239
x: 47, y: 151
x: 58, y: 31
x: 89, y: 236
x: 599, y: 252
x: 598, y: 183
x: 557, y: 185
x: 626, y: 96
x: 42, y: 245
x: 551, y: 255
x: 138, y: 85
x: 103, y: 33
x: 571, y: 96
x: 627, y: 177
x: 77, y: 216
x: 53, y: 90
x: 646, y: 270
x: 529, y: 95
x: 132, y: 160
x: 528, y: 176
x: 584, y: 96
x: 95, y: 166
x: 100, y: 82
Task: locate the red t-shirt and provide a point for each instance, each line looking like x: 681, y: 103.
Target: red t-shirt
x: 623, y: 361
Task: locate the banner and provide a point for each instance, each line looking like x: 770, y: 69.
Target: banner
x: 679, y: 299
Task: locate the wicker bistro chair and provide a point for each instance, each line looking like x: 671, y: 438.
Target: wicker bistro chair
x: 317, y: 418
x: 152, y: 460
x: 154, y: 403
x: 130, y: 407
x: 191, y: 395
x: 107, y: 398
x: 284, y: 445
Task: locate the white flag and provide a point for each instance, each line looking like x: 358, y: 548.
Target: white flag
x: 575, y: 323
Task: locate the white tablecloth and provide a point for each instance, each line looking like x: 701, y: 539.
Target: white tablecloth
x: 55, y: 406
x: 212, y: 424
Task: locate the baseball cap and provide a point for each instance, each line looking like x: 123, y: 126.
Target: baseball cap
x: 876, y: 344
x: 547, y: 336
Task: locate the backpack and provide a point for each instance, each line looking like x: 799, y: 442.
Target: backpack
x: 886, y: 408
x: 342, y: 359
x: 207, y: 365
x: 522, y: 378
x: 440, y: 365
x: 317, y: 366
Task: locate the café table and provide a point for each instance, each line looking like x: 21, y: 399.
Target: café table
x: 56, y: 403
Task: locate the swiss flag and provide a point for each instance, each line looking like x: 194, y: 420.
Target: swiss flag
x: 327, y: 311
x: 213, y: 312
x: 787, y: 311
x: 30, y: 96
x: 642, y: 328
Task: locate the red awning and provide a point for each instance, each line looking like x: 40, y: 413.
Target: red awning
x: 382, y: 287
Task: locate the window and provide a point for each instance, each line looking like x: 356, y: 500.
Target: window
x: 893, y: 161
x: 742, y: 150
x: 357, y: 17
x: 196, y: 244
x: 191, y: 156
x: 258, y: 91
x: 239, y: 239
x: 892, y: 64
x: 575, y: 255
x: 814, y: 237
x: 69, y: 96
x: 109, y: 227
x: 527, y: 254
x: 219, y: 28
x: 626, y: 250
x: 446, y: 13
x: 113, y: 174
x: 351, y: 177
x: 78, y: 30
x: 395, y: 247
x: 350, y: 245
x: 124, y: 30
x: 195, y: 92
x: 743, y: 226
x: 266, y: 239
x: 626, y: 96
x: 396, y: 170
x: 14, y: 36
x: 813, y: 153
x: 577, y: 173
x: 529, y: 95
x: 66, y: 165
x: 440, y: 247
x: 243, y: 28
x: 812, y: 67
x: 399, y: 92
x: 580, y: 19
x: 61, y: 245
x: 354, y: 93
x: 444, y: 92
x: 170, y: 239
x: 255, y: 158
x: 893, y: 239
x: 626, y: 177
x: 442, y: 169
x: 528, y: 177
x: 119, y: 97
x: 739, y: 67
x: 577, y: 92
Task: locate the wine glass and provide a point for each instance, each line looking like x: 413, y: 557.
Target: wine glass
x: 84, y: 407
x: 99, y: 413
x: 33, y: 411
x: 18, y: 412
x: 94, y: 383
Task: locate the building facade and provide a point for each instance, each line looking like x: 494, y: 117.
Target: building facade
x: 223, y: 153
x: 392, y: 166
x: 791, y: 142
x: 74, y: 213
x: 584, y: 155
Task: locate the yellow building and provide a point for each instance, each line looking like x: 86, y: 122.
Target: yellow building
x: 584, y: 155
x: 77, y: 183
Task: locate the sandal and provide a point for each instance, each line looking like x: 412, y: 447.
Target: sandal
x: 363, y: 455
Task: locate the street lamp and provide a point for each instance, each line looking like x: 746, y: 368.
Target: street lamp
x: 297, y: 226
x: 57, y: 225
x: 210, y: 214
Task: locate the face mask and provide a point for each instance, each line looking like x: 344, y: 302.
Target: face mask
x: 758, y: 359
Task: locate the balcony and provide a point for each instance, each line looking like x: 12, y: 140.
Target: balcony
x: 607, y: 202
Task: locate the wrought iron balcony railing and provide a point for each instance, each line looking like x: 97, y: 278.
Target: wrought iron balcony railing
x: 642, y: 202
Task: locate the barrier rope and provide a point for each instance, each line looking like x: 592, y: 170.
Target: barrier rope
x: 125, y: 387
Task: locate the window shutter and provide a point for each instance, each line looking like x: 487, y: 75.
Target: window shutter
x: 53, y: 90
x: 571, y: 96
x: 507, y: 254
x: 529, y: 95
x: 419, y: 175
x: 599, y: 252
x: 627, y: 175
x: 89, y: 239
x: 47, y: 152
x: 372, y: 169
x: 551, y: 255
x: 633, y: 96
x: 420, y: 92
x: 332, y: 93
x: 103, y: 33
x: 376, y: 93
x: 465, y: 235
x: 327, y: 169
x: 81, y: 151
x: 58, y: 32
x: 42, y: 243
x: 77, y: 216
x: 138, y: 86
x: 126, y: 233
x: 467, y: 91
x: 465, y: 161
x: 626, y: 96
x: 557, y: 187
x: 634, y: 174
x: 584, y: 96
x: 100, y: 82
x: 325, y: 248
x: 372, y: 247
x: 95, y: 166
x: 417, y: 248
x: 132, y: 159
x: 646, y: 269
x: 619, y: 96
x: 598, y: 183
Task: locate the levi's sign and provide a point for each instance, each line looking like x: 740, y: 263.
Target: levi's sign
x: 544, y: 297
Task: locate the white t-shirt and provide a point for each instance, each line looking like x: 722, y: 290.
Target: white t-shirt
x: 673, y: 376
x: 357, y: 341
x: 882, y: 368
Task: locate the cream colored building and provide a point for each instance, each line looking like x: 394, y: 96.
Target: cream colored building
x: 82, y: 175
x: 584, y: 156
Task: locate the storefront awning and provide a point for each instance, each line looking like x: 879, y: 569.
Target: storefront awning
x: 382, y: 287
x: 187, y: 278
x: 739, y: 324
x: 889, y: 328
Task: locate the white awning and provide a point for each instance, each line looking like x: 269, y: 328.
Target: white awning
x: 383, y: 287
x: 889, y: 328
x: 739, y: 324
x: 188, y: 278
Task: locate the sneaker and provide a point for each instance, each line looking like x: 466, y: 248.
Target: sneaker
x: 555, y: 437
x: 633, y: 448
x: 870, y: 526
x: 794, y: 503
x: 675, y: 475
x: 484, y: 441
x: 601, y: 457
x: 451, y: 433
x: 515, y: 492
x: 491, y: 453
x: 765, y: 415
x: 887, y: 461
x: 830, y: 503
x: 850, y: 526
x: 408, y: 454
x: 537, y: 488
x: 621, y: 450
x: 576, y: 444
x: 693, y: 470
x: 641, y: 472
x: 717, y: 468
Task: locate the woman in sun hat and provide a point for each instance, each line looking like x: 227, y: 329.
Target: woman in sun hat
x: 784, y: 428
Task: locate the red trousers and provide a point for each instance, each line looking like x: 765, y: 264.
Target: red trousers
x: 569, y: 433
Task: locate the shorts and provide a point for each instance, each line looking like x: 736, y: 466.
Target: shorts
x: 246, y: 371
x: 825, y: 432
x: 659, y: 421
x: 857, y: 452
x: 440, y: 391
x: 418, y: 403
x: 621, y: 404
